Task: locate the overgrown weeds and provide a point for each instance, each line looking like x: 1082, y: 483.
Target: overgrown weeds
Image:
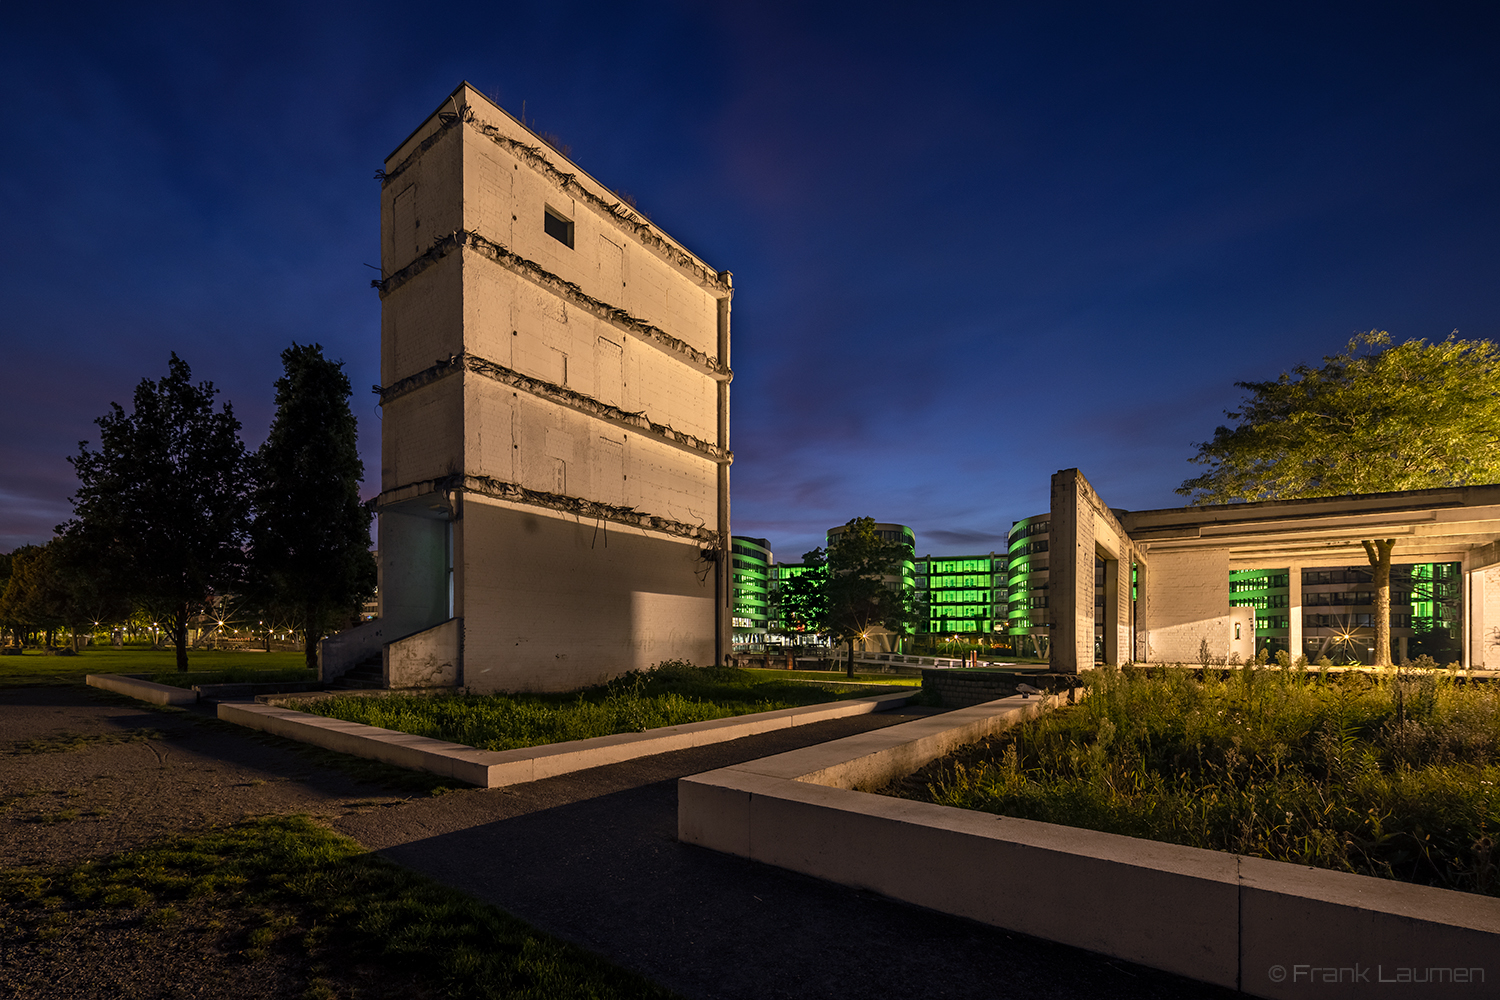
x: 671, y: 694
x: 1395, y: 775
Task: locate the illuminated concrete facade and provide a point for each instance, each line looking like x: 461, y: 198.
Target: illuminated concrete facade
x: 1183, y: 558
x: 555, y: 395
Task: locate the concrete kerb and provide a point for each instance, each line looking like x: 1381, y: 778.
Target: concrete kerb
x: 494, y: 769
x: 144, y: 690
x: 1267, y: 928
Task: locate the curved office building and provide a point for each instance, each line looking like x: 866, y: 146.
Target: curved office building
x: 1027, y: 614
x: 898, y: 533
x: 750, y: 573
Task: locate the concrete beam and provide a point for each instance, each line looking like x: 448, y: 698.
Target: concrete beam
x: 150, y: 691
x: 590, y: 509
x: 561, y: 395
x: 489, y: 250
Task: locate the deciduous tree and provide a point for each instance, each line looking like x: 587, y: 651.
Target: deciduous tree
x: 35, y: 597
x: 844, y: 592
x: 310, y: 549
x: 162, y: 507
x: 1373, y: 419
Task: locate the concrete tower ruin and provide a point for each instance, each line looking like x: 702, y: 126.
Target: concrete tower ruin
x: 554, y: 505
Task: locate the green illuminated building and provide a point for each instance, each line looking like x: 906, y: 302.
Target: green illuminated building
x: 1337, y: 605
x: 751, y: 574
x: 963, y: 594
x: 1028, y: 618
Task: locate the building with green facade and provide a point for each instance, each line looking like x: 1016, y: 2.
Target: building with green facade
x: 752, y: 575
x: 1028, y: 620
x: 1337, y: 604
x: 964, y: 595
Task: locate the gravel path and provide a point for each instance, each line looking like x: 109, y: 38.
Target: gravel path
x: 592, y: 857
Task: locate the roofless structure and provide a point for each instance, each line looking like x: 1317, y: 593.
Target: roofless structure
x: 554, y: 505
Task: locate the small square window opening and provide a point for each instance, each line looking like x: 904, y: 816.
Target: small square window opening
x: 558, y: 228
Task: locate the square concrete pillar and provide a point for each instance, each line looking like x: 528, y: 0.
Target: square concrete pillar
x: 1294, y: 610
x: 1071, y: 580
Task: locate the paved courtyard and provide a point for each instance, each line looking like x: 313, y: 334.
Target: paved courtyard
x: 591, y: 857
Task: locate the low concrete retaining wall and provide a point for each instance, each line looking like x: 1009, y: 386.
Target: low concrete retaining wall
x: 1267, y: 928
x: 134, y: 687
x: 967, y: 688
x: 493, y: 769
x: 426, y: 659
x: 221, y: 692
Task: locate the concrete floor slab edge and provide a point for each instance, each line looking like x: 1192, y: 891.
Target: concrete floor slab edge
x: 495, y: 769
x: 134, y: 687
x: 1247, y: 923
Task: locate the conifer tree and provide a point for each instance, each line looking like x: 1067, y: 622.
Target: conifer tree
x: 310, y: 546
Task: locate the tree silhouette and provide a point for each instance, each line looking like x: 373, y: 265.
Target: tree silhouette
x: 310, y: 544
x: 162, y: 507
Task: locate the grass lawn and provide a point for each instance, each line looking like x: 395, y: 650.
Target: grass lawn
x: 1396, y: 775
x: 206, y: 666
x: 670, y: 695
x: 299, y: 905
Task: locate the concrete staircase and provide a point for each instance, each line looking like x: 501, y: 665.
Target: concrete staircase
x: 367, y: 673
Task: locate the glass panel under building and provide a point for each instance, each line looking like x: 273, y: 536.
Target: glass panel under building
x: 1338, y: 604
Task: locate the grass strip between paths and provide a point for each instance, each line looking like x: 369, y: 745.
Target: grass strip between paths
x: 283, y: 899
x: 672, y: 694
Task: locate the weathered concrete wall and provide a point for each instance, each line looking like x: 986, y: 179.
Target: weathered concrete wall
x: 1186, y: 604
x: 430, y: 658
x: 583, y: 377
x: 552, y: 602
x: 1083, y: 529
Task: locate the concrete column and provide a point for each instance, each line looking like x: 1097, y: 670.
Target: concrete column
x: 1071, y: 548
x: 1294, y: 610
x: 724, y: 593
x: 1472, y: 637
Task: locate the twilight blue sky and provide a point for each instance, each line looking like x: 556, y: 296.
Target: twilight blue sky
x: 972, y: 245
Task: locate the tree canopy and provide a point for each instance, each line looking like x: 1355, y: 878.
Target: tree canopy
x: 310, y: 544
x: 35, y: 595
x: 844, y: 593
x: 162, y: 507
x: 1373, y: 419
